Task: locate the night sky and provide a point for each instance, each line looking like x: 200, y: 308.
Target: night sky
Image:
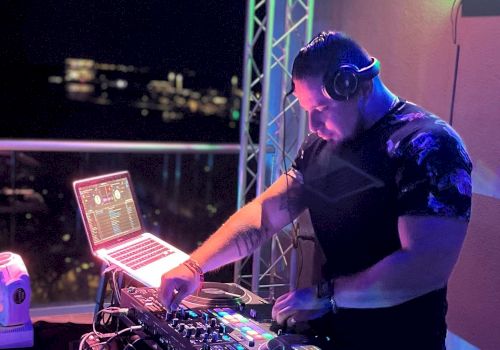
x: 205, y: 37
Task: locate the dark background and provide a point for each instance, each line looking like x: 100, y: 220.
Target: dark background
x: 202, y: 39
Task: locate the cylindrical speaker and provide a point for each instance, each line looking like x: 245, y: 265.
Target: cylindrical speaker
x: 15, y: 290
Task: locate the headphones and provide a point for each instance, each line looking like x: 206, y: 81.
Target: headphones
x: 343, y: 83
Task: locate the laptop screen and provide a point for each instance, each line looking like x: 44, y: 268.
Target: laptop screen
x: 108, y: 208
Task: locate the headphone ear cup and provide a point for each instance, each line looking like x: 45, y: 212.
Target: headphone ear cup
x: 346, y: 83
x: 341, y: 84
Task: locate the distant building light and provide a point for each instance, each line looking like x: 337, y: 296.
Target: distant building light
x: 157, y: 211
x: 196, y: 95
x: 67, y: 260
x: 232, y: 124
x: 144, y: 98
x: 171, y: 76
x: 144, y: 112
x: 44, y: 191
x: 85, y: 266
x: 178, y: 82
x: 53, y: 79
x: 180, y: 101
x: 28, y: 216
x: 235, y: 115
x: 66, y: 237
x: 60, y: 196
x: 220, y: 100
x: 32, y: 178
x: 79, y: 88
x: 234, y: 80
x: 121, y: 84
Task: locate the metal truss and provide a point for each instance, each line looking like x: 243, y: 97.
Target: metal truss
x: 275, y: 31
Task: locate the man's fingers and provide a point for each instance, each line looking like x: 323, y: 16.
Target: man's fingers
x: 179, y: 296
x: 167, y: 293
x: 281, y: 298
x: 283, y: 314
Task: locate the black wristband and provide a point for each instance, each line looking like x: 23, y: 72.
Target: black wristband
x: 324, y: 289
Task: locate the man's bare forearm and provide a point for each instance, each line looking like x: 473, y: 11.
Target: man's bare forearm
x: 240, y: 235
x: 252, y: 225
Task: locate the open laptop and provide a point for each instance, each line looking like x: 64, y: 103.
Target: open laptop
x: 112, y: 221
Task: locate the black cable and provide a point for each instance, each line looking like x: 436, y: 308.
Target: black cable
x: 457, y: 56
x: 453, y: 32
x: 295, y: 229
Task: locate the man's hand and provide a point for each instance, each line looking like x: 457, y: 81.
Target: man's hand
x: 300, y: 305
x: 176, y: 285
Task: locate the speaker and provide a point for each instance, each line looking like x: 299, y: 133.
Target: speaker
x: 342, y: 83
x: 16, y: 330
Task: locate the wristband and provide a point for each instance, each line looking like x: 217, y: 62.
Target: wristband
x: 324, y: 289
x: 196, y: 268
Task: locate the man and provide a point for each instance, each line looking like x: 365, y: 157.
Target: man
x: 388, y: 188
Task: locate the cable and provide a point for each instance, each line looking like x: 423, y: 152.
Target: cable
x: 112, y: 311
x: 295, y: 227
x: 454, y: 30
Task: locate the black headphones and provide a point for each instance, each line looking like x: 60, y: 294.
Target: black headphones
x: 342, y: 83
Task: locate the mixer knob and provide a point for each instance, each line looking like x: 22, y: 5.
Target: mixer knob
x: 251, y: 343
x: 181, y: 327
x: 199, y: 330
x: 189, y: 331
x: 169, y: 316
x: 131, y: 290
x: 205, y: 337
x: 213, y: 322
x: 215, y: 337
x: 209, y: 329
x: 181, y: 312
x: 204, y: 316
x: 205, y: 346
x: 222, y: 328
x: 175, y: 321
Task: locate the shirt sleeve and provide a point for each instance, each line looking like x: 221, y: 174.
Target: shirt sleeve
x: 434, y: 175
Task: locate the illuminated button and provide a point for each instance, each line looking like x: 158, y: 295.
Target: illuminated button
x: 222, y: 314
x: 246, y: 329
x: 268, y: 335
x: 226, y: 337
x: 239, y: 347
x: 241, y: 318
x: 258, y: 337
x: 252, y: 332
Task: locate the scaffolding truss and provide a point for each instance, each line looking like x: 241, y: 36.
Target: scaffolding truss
x: 275, y: 31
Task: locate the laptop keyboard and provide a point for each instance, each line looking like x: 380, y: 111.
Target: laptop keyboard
x: 141, y: 254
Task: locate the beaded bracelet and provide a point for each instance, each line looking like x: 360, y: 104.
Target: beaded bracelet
x: 196, y: 268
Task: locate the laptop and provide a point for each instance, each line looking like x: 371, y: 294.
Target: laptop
x: 112, y: 220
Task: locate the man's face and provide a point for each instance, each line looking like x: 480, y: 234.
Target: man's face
x: 332, y: 120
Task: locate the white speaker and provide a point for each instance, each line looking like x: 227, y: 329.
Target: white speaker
x: 15, y: 293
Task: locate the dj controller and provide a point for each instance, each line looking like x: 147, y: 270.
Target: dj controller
x: 220, y: 316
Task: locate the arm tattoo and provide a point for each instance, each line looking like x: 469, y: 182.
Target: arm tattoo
x: 248, y: 240
x: 291, y: 201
